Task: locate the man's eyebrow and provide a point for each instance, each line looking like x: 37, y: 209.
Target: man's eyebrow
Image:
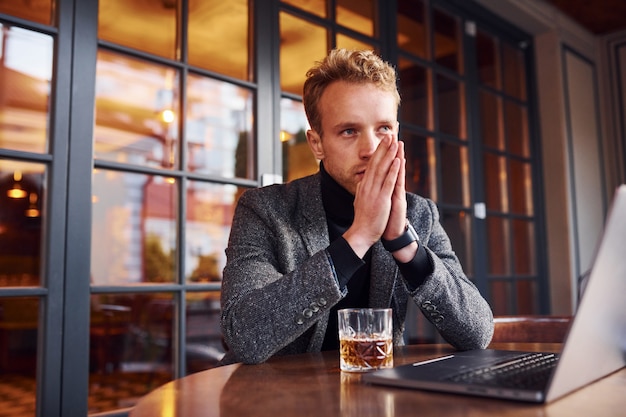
x: 348, y: 124
x: 345, y: 125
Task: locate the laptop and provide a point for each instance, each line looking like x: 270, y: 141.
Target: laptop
x: 595, y: 345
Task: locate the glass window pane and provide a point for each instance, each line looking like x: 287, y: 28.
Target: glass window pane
x: 498, y: 247
x: 451, y: 106
x: 25, y: 77
x: 524, y: 247
x: 488, y: 60
x: 131, y: 348
x: 22, y: 202
x: 347, y: 42
x: 317, y: 7
x: 447, y: 40
x: 204, y: 346
x: 298, y: 160
x: 39, y: 11
x: 19, y: 323
x: 220, y: 136
x: 527, y: 296
x: 413, y: 27
x: 521, y: 187
x: 501, y: 298
x: 358, y: 15
x: 219, y: 37
x: 514, y: 72
x: 516, y: 122
x: 454, y: 174
x: 458, y: 226
x: 491, y: 120
x: 137, y: 111
x: 146, y: 26
x: 133, y: 228
x: 421, y: 166
x: 210, y: 209
x: 301, y: 45
x: 416, y: 93
x: 495, y: 181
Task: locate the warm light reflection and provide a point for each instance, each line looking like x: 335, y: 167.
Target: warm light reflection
x: 168, y: 406
x: 17, y: 191
x: 167, y: 116
x: 465, y: 177
x: 284, y: 136
x: 432, y: 167
x: 32, y: 210
x: 379, y: 404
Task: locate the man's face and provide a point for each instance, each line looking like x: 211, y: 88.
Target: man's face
x: 355, y: 117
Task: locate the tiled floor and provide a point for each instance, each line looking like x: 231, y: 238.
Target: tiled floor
x: 17, y: 396
x: 107, y: 392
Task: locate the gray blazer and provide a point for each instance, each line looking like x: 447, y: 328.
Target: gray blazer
x: 279, y: 283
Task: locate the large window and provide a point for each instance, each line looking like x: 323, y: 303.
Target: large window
x: 174, y: 140
x: 26, y: 58
x: 464, y: 119
x: 129, y: 129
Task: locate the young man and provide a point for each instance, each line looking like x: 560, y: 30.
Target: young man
x: 347, y: 236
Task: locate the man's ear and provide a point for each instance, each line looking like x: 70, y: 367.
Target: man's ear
x: 315, y: 143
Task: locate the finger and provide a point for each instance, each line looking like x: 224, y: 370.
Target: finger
x: 382, y: 158
x: 400, y: 183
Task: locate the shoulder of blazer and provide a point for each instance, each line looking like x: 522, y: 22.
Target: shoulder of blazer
x: 300, y: 200
x: 420, y: 204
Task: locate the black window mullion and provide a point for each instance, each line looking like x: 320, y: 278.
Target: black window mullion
x: 472, y: 91
x: 76, y: 300
x: 50, y: 344
x: 267, y: 76
x: 537, y: 173
x: 178, y: 336
x: 180, y: 326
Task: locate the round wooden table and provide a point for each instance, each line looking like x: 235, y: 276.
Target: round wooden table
x: 313, y: 385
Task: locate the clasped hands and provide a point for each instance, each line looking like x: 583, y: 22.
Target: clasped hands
x: 380, y: 201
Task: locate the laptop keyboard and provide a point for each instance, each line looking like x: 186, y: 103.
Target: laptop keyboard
x: 528, y: 371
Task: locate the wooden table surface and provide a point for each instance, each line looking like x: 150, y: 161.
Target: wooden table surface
x: 313, y: 385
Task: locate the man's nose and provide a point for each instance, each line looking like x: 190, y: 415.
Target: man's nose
x: 368, y: 144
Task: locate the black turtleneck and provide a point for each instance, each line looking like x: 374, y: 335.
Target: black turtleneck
x: 353, y: 273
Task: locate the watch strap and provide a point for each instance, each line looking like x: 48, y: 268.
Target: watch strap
x: 409, y: 236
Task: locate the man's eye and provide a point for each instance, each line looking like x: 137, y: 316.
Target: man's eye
x: 348, y: 132
x: 385, y: 128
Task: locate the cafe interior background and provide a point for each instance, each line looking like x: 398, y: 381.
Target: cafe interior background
x: 128, y: 129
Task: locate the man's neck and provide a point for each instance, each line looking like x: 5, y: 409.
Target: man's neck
x: 338, y: 202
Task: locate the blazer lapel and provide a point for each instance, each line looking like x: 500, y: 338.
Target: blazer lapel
x: 312, y: 220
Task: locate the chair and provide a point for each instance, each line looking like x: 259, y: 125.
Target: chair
x: 110, y: 323
x: 530, y: 328
x: 18, y: 334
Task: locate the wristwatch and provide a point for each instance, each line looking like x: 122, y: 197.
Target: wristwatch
x: 409, y: 236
